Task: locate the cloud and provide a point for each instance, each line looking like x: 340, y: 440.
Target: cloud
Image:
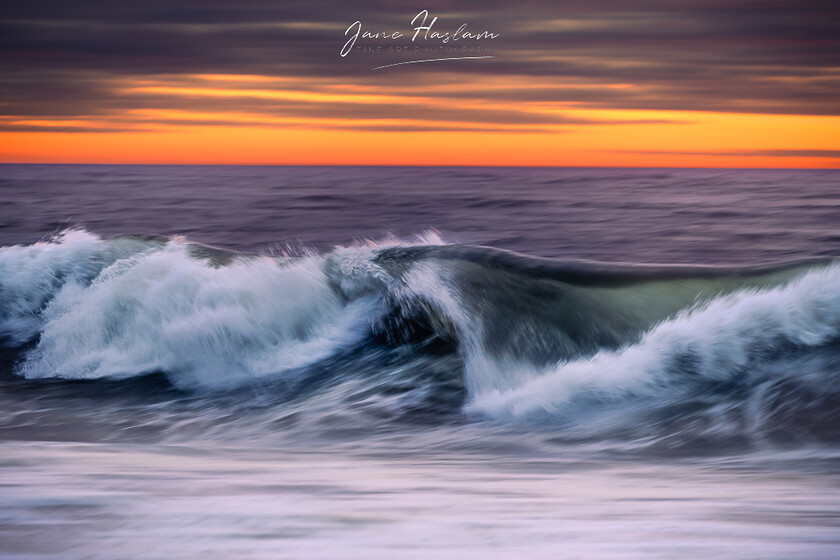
x: 832, y: 154
x: 74, y: 59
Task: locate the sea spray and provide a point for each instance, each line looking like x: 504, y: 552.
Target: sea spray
x: 425, y: 331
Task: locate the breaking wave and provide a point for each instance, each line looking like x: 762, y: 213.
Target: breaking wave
x: 583, y: 349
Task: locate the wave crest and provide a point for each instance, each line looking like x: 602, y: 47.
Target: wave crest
x: 592, y: 348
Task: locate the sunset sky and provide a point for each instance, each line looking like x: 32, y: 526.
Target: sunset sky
x: 582, y: 83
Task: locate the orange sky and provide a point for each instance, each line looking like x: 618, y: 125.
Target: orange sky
x: 426, y: 130
x: 662, y: 84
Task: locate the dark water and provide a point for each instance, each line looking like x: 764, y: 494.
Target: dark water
x: 351, y: 362
x: 616, y: 215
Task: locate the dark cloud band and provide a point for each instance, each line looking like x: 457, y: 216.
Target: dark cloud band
x: 72, y: 59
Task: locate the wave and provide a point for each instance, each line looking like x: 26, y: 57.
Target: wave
x: 744, y: 353
x: 129, y: 306
x: 588, y: 347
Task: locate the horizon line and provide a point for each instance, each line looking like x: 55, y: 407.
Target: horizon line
x: 734, y: 168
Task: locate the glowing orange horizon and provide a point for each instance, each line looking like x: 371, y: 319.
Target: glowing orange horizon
x: 426, y: 128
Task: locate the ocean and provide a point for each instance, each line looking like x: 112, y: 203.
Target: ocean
x: 411, y: 362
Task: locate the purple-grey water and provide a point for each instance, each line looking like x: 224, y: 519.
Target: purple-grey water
x: 322, y: 362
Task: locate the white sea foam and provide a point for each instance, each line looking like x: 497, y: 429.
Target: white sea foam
x: 163, y: 310
x: 431, y: 282
x: 30, y: 276
x: 715, y: 342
